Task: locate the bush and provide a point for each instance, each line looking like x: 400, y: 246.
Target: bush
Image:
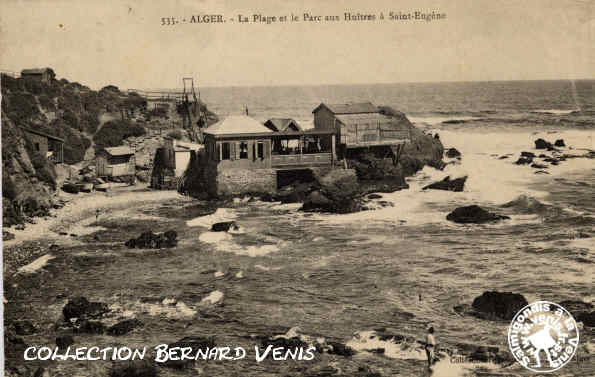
x: 175, y: 134
x: 46, y: 102
x: 90, y: 122
x: 21, y: 107
x: 114, y: 132
x: 44, y: 170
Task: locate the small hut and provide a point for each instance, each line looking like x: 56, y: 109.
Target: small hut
x: 39, y: 74
x: 50, y: 147
x: 116, y: 163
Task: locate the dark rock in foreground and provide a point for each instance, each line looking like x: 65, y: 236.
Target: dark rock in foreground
x: 560, y: 143
x: 150, y: 240
x: 136, y: 368
x: 538, y: 166
x: 453, y: 153
x: 224, y: 226
x: 473, y: 214
x: 524, y: 160
x: 124, y: 327
x: 80, y: 307
x: 64, y: 341
x: 456, y: 184
x: 24, y: 327
x: 194, y: 342
x: 528, y: 154
x: 494, y: 305
x: 70, y: 188
x: 542, y: 144
x: 338, y: 193
x: 581, y: 311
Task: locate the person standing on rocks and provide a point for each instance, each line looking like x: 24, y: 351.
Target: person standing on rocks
x: 430, y: 346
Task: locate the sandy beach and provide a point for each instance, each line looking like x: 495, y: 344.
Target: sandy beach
x: 80, y: 211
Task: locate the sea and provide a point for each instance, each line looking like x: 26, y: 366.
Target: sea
x: 351, y: 277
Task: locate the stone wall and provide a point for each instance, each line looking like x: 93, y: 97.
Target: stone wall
x: 239, y: 181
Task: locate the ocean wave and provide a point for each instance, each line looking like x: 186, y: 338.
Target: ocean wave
x: 220, y: 215
x: 554, y: 111
x: 530, y: 205
x: 435, y: 120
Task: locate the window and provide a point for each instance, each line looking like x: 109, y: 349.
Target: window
x: 243, y: 150
x: 226, y: 151
x: 261, y: 150
x: 37, y: 147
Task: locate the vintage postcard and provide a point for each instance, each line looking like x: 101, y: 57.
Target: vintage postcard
x: 298, y: 188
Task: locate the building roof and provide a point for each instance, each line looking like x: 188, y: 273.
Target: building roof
x: 349, y: 108
x: 34, y: 71
x: 119, y: 151
x: 237, y: 124
x: 348, y: 119
x: 43, y: 134
x: 282, y: 124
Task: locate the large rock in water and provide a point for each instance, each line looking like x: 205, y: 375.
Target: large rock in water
x: 80, y: 307
x: 224, y: 226
x: 473, y: 214
x: 339, y: 191
x: 542, y: 144
x: 495, y: 305
x: 453, y: 153
x: 150, y: 240
x: 447, y: 184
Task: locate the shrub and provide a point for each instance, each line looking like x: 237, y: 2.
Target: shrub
x: 113, y: 132
x: 21, y: 107
x: 175, y: 134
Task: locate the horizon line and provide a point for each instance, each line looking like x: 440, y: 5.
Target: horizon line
x: 370, y: 83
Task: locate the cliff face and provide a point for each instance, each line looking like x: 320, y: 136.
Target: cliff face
x: 67, y: 110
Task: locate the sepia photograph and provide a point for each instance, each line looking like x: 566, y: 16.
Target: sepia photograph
x: 298, y: 188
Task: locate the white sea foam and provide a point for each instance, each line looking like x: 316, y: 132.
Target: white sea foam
x: 223, y: 241
x: 553, y: 111
x: 220, y: 215
x: 369, y: 341
x: 491, y: 181
x: 213, y: 298
x: 36, y: 264
x: 438, y: 120
x: 180, y: 310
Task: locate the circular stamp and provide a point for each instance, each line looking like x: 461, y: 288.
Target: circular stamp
x: 543, y: 337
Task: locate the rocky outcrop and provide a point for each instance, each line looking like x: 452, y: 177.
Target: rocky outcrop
x: 339, y: 193
x: 457, y: 184
x: 453, y: 153
x: 124, y: 327
x: 80, y: 307
x: 150, y: 240
x: 135, y: 368
x: 60, y: 108
x: 524, y: 160
x: 542, y: 144
x: 473, y: 214
x: 495, y: 305
x: 224, y: 226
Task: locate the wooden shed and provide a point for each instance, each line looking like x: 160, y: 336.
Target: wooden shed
x: 39, y: 74
x: 50, y: 147
x: 115, y: 162
x: 360, y: 125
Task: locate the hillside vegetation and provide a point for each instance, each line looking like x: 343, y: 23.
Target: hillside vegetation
x: 61, y: 108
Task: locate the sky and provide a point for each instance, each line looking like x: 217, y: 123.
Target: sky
x: 124, y: 42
